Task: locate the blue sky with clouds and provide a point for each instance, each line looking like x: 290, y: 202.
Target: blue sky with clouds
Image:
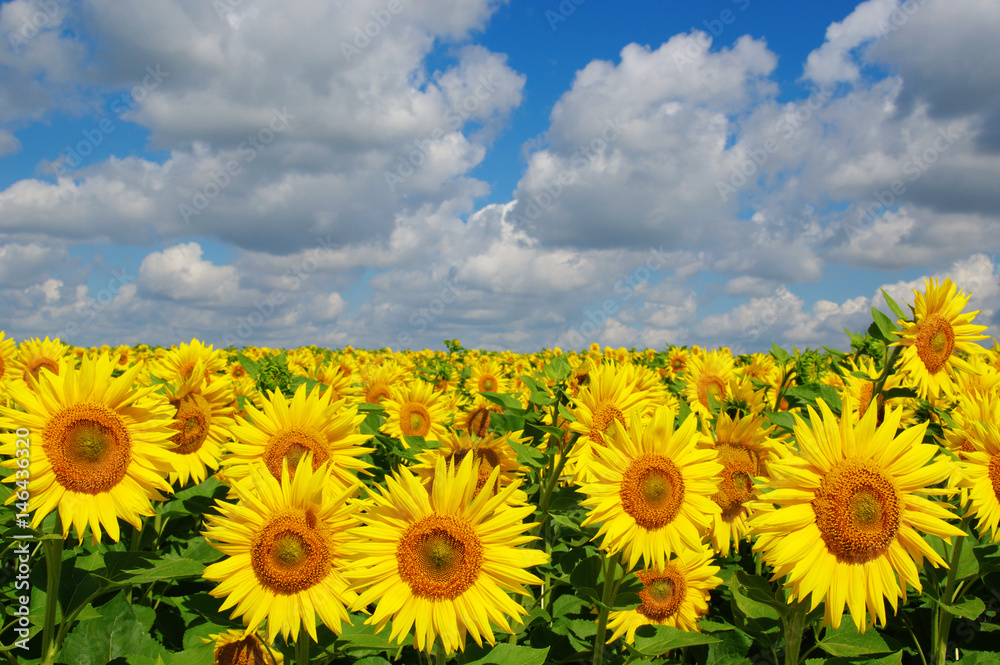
x: 514, y: 174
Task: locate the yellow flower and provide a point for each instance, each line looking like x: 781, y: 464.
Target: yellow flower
x: 98, y: 446
x: 415, y: 410
x: 940, y: 329
x: 849, y: 508
x: 675, y: 596
x: 440, y: 561
x: 236, y: 647
x: 707, y: 374
x: 651, y: 490
x: 284, y: 545
x: 489, y: 451
x: 981, y: 469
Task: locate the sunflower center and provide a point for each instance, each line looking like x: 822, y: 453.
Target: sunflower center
x: 292, y: 444
x: 89, y: 448
x: 194, y: 419
x: 652, y: 491
x: 857, y: 511
x: 414, y: 419
x: 662, y: 593
x: 246, y: 651
x: 439, y: 556
x: 710, y: 384
x: 288, y: 555
x: 935, y: 342
x: 739, y: 465
x: 487, y: 384
x: 36, y: 366
x: 994, y: 474
x: 603, y: 430
x: 377, y: 393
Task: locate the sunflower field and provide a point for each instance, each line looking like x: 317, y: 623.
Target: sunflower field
x: 195, y: 505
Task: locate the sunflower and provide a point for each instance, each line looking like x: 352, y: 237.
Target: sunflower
x: 486, y: 377
x: 931, y: 341
x: 981, y: 469
x: 178, y: 364
x: 675, y: 596
x: 707, y: 374
x: 287, y: 429
x: 377, y: 382
x: 204, y: 415
x: 285, y: 544
x: 34, y: 355
x: 744, y: 447
x: 340, y: 385
x: 237, y: 647
x: 848, y: 512
x: 610, y: 396
x: 416, y: 409
x: 475, y: 416
x: 8, y: 352
x: 98, y: 445
x: 861, y: 391
x: 652, y: 489
x: 440, y: 561
x: 490, y: 452
x: 677, y: 360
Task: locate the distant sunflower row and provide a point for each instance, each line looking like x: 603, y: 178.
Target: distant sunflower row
x: 678, y: 457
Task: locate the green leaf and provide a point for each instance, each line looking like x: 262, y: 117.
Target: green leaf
x: 970, y: 608
x: 896, y: 309
x: 655, y: 640
x: 527, y: 454
x: 781, y: 419
x: 200, y: 655
x: 907, y: 393
x: 504, y: 400
x: 558, y: 369
x: 980, y: 658
x: 755, y: 618
x: 117, y: 632
x: 510, y: 654
x: 847, y: 641
x: 169, y: 567
x: 780, y: 354
x: 885, y: 326
x: 251, y: 366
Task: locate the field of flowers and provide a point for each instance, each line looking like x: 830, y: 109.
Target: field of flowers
x: 197, y: 505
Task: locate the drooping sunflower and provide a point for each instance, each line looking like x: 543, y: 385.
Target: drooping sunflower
x: 288, y: 429
x: 441, y: 561
x: 416, y: 409
x: 705, y: 375
x: 861, y: 391
x: 98, y: 446
x: 8, y: 352
x: 981, y: 469
x: 204, y: 415
x: 34, y: 355
x: 651, y: 490
x: 490, y: 452
x: 848, y: 512
x: 237, y: 647
x: 284, y: 542
x: 474, y: 417
x: 744, y: 447
x: 940, y: 328
x: 675, y: 596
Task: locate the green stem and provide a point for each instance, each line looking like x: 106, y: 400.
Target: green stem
x: 302, y: 649
x: 794, y: 624
x: 609, y: 566
x: 53, y: 567
x: 441, y: 657
x: 942, y: 619
x: 920, y: 650
x: 886, y: 372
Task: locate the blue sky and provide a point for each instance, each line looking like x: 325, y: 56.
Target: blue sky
x: 514, y: 174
